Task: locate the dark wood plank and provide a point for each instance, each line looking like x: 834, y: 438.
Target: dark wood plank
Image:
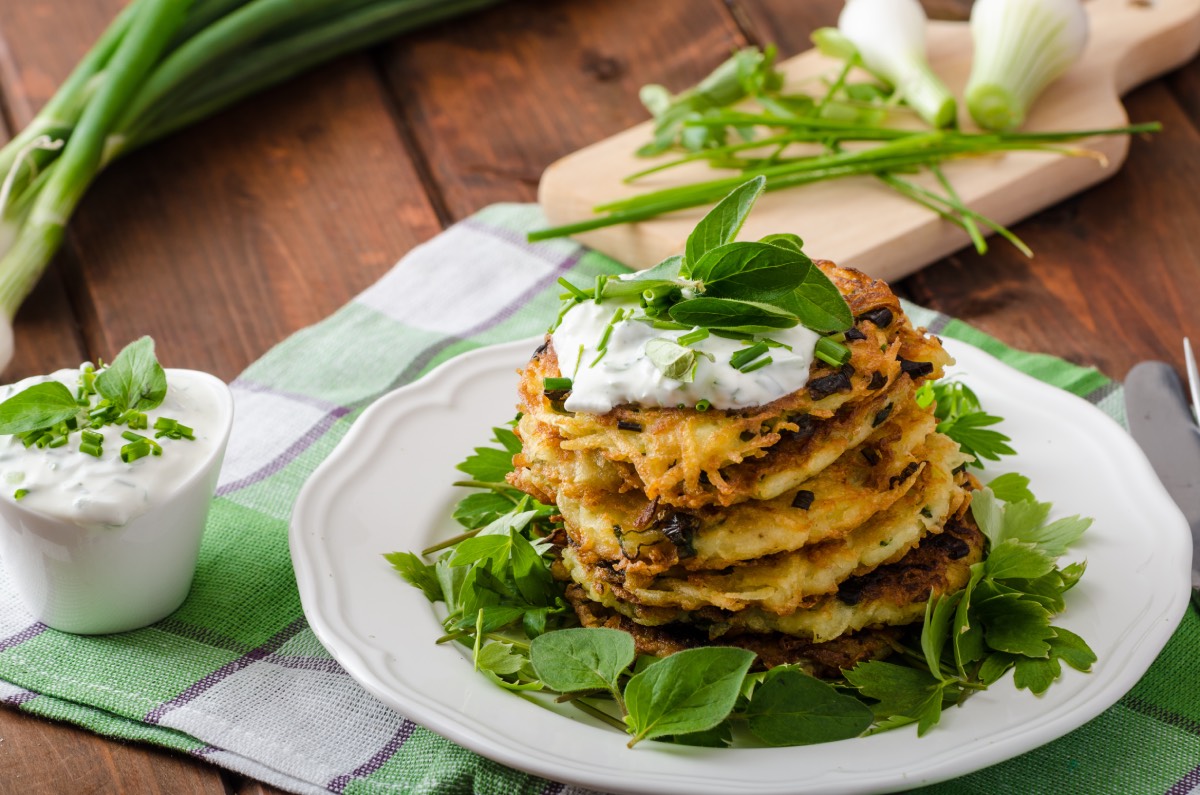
x: 38, y: 755
x: 222, y: 240
x: 495, y: 98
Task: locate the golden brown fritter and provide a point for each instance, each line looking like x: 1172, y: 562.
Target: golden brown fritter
x: 827, y: 659
x: 892, y: 595
x: 785, y: 582
x: 687, y: 458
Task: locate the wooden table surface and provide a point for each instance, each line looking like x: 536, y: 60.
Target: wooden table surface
x: 222, y: 240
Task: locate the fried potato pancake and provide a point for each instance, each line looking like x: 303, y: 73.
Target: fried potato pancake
x: 827, y: 659
x: 643, y: 539
x: 783, y: 583
x: 686, y: 458
x: 891, y: 595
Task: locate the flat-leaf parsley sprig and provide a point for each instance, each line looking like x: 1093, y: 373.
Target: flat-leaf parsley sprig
x: 46, y: 414
x: 504, y: 605
x: 745, y: 290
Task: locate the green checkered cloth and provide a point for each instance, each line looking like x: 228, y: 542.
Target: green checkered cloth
x: 236, y: 676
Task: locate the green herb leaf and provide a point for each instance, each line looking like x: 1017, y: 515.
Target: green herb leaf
x: 499, y: 658
x: 939, y: 615
x: 1011, y: 487
x: 1015, y: 625
x: 751, y: 271
x: 792, y: 708
x: 966, y: 636
x: 719, y: 736
x: 722, y: 223
x: 818, y: 304
x: 134, y: 380
x: 690, y: 691
x: 477, y: 510
x: 1012, y: 558
x: 749, y: 317
x: 785, y: 240
x: 39, y: 406
x: 487, y: 465
x: 417, y: 573
x: 571, y: 660
x: 672, y: 359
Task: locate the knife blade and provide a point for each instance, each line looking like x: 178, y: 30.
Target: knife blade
x: 1161, y: 422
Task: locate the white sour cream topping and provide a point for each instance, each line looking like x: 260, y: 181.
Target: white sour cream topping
x: 76, y: 487
x: 627, y: 375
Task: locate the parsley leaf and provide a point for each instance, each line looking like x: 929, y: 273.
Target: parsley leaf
x: 963, y: 419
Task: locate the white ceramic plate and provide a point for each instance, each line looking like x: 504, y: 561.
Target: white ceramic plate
x: 387, y: 487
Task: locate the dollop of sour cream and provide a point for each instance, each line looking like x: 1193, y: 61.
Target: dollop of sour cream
x: 626, y: 374
x: 66, y: 484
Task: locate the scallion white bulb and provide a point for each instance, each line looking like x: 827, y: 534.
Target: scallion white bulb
x: 890, y: 38
x: 1021, y: 46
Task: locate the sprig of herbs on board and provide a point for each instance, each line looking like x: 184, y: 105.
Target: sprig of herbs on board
x: 797, y: 139
x: 503, y: 604
x: 46, y: 414
x: 726, y: 287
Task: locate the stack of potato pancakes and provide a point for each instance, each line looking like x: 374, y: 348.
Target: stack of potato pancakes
x: 809, y: 530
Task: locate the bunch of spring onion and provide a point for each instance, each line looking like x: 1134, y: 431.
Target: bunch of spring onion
x: 160, y: 66
x: 850, y: 128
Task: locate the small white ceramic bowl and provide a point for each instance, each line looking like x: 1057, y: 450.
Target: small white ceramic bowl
x: 99, y: 579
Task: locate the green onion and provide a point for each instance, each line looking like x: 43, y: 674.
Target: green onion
x: 693, y: 337
x: 703, y: 405
x: 160, y: 66
x: 19, y: 493
x: 758, y: 363
x: 744, y: 357
x: 137, y: 438
x: 832, y: 352
x: 91, y: 449
x: 135, y: 450
x: 556, y: 384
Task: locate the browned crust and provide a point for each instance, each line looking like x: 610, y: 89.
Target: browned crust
x: 827, y: 659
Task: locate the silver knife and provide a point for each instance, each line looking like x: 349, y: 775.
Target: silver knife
x: 1160, y: 419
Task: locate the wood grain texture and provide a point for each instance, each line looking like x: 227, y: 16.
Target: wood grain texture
x: 222, y: 240
x: 862, y: 224
x: 40, y: 756
x: 1114, y: 279
x: 494, y: 99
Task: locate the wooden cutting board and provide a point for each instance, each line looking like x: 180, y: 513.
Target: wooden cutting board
x: 860, y: 223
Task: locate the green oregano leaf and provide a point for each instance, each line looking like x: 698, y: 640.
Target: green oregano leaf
x: 792, y: 708
x: 751, y: 271
x: 571, y: 660
x: 134, y: 380
x: 39, y: 406
x: 722, y: 223
x: 748, y: 317
x: 690, y: 691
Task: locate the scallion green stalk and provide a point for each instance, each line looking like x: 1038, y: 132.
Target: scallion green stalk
x: 160, y: 66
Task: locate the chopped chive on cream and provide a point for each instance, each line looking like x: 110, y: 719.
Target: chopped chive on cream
x: 598, y: 294
x: 703, y: 405
x: 135, y: 450
x: 756, y: 364
x: 742, y: 359
x: 692, y: 337
x: 20, y: 493
x: 130, y: 436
